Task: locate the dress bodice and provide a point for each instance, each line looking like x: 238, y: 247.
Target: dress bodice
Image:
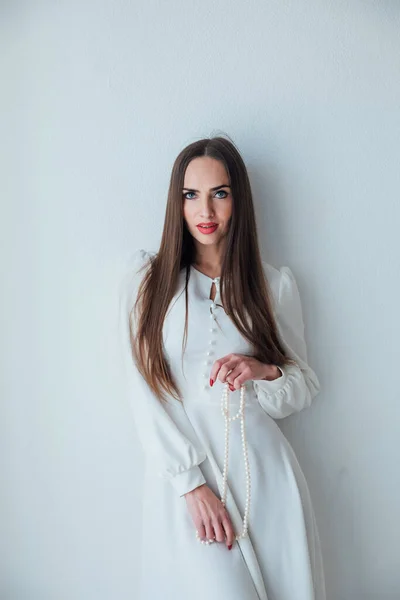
x: 211, y: 335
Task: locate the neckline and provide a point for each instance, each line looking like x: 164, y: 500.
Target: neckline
x: 204, y: 275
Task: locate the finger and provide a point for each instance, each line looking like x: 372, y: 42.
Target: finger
x: 200, y: 527
x: 202, y: 531
x: 239, y: 375
x: 217, y: 366
x: 229, y: 532
x: 210, y: 534
x: 229, y: 370
x: 219, y: 531
x: 235, y: 377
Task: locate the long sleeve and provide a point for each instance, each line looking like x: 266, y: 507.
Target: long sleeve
x: 298, y: 385
x: 167, y: 438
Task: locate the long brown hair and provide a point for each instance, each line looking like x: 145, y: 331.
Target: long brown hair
x: 244, y: 288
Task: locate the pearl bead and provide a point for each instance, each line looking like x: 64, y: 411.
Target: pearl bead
x: 228, y: 420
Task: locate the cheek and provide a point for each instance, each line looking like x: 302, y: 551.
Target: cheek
x: 187, y: 214
x: 227, y: 211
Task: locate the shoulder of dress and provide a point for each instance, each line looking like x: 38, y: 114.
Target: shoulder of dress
x: 273, y: 275
x: 278, y: 279
x: 139, y: 257
x: 134, y: 270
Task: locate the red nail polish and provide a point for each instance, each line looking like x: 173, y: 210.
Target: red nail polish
x: 231, y: 388
x: 230, y: 547
x: 211, y: 382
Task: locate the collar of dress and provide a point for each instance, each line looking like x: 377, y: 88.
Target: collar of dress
x: 205, y: 282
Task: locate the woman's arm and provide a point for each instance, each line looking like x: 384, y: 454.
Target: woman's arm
x: 298, y: 384
x: 165, y: 433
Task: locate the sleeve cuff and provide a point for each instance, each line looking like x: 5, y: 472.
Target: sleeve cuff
x: 270, y: 387
x: 188, y: 480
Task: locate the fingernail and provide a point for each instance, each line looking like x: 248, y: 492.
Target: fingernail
x: 231, y: 388
x: 211, y: 382
x: 230, y: 547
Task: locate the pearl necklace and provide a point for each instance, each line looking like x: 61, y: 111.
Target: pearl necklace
x: 228, y: 419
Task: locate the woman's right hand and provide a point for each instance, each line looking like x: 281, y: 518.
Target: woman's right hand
x: 210, y: 516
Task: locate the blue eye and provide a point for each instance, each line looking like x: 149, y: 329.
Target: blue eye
x: 186, y: 196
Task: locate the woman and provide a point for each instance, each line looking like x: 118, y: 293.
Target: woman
x: 206, y: 325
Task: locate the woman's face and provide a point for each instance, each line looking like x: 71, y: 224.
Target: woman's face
x: 207, y: 199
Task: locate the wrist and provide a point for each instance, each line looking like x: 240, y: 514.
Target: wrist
x: 194, y: 490
x: 274, y: 372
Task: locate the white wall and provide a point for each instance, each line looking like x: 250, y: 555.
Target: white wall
x: 97, y: 99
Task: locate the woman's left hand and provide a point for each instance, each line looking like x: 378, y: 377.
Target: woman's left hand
x: 241, y: 368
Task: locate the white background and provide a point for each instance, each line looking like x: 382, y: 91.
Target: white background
x: 97, y: 99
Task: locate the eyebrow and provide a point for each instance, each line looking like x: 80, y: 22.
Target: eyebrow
x: 211, y: 189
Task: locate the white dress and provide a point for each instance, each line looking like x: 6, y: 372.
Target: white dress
x: 183, y: 446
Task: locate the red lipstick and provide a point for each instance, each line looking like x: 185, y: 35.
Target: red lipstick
x: 207, y: 227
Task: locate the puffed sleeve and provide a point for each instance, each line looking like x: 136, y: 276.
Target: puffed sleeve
x: 298, y: 385
x: 167, y: 438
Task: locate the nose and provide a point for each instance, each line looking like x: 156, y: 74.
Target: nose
x: 207, y: 209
